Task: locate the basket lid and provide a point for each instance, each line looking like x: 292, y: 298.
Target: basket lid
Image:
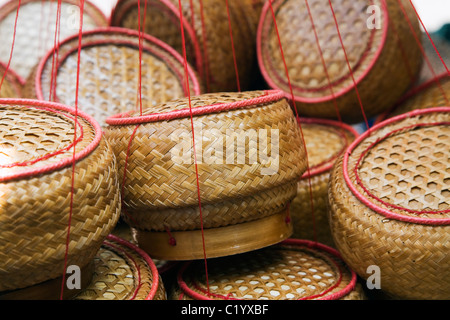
x: 109, y: 73
x: 400, y: 168
x: 310, y: 82
x: 291, y: 270
x: 37, y: 137
x: 123, y: 272
x: 325, y: 141
x: 36, y: 26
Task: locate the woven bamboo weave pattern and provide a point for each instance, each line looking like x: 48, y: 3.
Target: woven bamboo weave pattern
x: 109, y: 73
x: 11, y: 87
x: 121, y: 273
x: 34, y: 209
x: 372, y: 53
x: 208, y: 41
x: 280, y: 272
x: 404, y: 178
x: 36, y: 26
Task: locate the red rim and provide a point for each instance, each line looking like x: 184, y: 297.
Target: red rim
x: 56, y: 107
x: 116, y: 30
x: 365, y: 200
x: 293, y: 242
x: 326, y: 98
x: 148, y: 260
x: 125, y: 119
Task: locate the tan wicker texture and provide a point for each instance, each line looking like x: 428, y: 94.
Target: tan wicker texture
x: 325, y: 142
x: 36, y: 143
x: 11, y: 87
x: 208, y: 41
x: 109, y: 73
x: 123, y: 273
x: 240, y: 180
x: 373, y: 54
x: 36, y: 26
x: 287, y: 271
x: 396, y: 217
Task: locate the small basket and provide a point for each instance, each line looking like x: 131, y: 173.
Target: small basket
x: 11, y: 87
x: 36, y: 25
x: 292, y: 270
x: 375, y: 55
x: 432, y: 93
x: 245, y: 185
x: 389, y: 204
x: 109, y: 73
x: 208, y: 42
x: 325, y: 141
x: 36, y: 174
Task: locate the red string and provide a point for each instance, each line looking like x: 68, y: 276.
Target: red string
x: 298, y: 119
x: 193, y: 140
x: 141, y: 48
x: 72, y: 187
x: 55, y: 57
x: 12, y: 45
x: 205, y: 49
x: 232, y: 47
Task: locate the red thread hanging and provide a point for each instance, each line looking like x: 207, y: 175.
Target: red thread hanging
x: 12, y: 45
x: 232, y: 47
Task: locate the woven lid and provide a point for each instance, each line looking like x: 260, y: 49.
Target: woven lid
x: 309, y: 79
x: 109, y: 73
x: 400, y: 168
x: 36, y: 25
x: 325, y: 141
x: 292, y: 270
x: 123, y: 272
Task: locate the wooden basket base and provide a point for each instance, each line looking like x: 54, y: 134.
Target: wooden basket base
x: 219, y: 242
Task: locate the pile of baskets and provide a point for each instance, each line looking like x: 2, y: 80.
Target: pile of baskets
x: 192, y: 150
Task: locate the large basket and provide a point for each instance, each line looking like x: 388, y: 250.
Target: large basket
x: 36, y: 25
x: 245, y: 186
x: 389, y: 204
x: 208, y: 42
x: 36, y: 175
x: 325, y: 141
x: 383, y: 67
x: 292, y: 270
x: 11, y: 87
x: 109, y: 73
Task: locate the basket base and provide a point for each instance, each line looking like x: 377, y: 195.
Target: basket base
x: 219, y: 242
x: 51, y: 289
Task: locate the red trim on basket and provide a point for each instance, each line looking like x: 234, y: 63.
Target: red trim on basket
x: 49, y: 106
x: 116, y: 30
x: 125, y: 119
x: 148, y: 260
x: 341, y: 92
x: 296, y: 242
x: 385, y: 212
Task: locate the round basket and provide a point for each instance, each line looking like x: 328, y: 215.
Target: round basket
x: 433, y: 93
x: 292, y: 270
x: 389, y: 204
x: 35, y: 32
x: 37, y: 169
x: 207, y: 35
x: 11, y: 87
x: 249, y: 157
x: 372, y: 51
x: 325, y: 141
x: 109, y: 73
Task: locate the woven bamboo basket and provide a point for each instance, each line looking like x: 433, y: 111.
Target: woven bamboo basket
x: 389, y: 204
x: 373, y: 54
x: 433, y: 93
x: 35, y: 33
x: 292, y: 270
x: 207, y: 35
x: 109, y: 73
x: 36, y: 175
x: 249, y: 157
x: 11, y: 87
x: 325, y: 141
